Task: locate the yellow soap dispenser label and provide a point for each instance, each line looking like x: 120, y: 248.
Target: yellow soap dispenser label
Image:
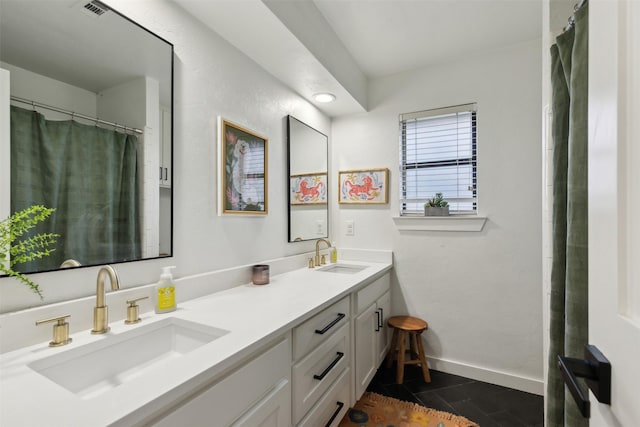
x: 166, y: 297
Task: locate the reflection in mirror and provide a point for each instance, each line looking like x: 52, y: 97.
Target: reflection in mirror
x: 308, y: 177
x: 90, y: 129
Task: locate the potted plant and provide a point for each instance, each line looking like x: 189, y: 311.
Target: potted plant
x: 17, y: 245
x: 437, y: 206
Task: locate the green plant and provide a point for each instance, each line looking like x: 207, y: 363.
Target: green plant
x: 437, y: 201
x: 21, y: 248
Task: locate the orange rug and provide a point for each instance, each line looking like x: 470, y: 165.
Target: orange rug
x: 375, y: 410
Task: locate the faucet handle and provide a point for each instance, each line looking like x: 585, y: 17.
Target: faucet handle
x: 323, y: 259
x: 311, y: 264
x: 132, y: 311
x: 60, y: 330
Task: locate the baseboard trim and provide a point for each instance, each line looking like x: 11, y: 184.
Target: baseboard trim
x: 529, y: 385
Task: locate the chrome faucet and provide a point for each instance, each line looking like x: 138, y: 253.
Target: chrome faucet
x: 317, y: 258
x: 100, y: 311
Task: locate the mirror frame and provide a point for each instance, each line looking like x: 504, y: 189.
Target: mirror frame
x: 290, y: 143
x: 171, y: 133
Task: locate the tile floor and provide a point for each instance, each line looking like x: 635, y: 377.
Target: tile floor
x: 487, y: 404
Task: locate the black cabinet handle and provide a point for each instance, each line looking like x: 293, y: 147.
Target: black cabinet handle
x: 330, y: 367
x: 335, y: 414
x: 160, y: 173
x: 166, y: 173
x: 377, y: 320
x: 330, y: 325
x: 596, y: 369
x: 381, y: 318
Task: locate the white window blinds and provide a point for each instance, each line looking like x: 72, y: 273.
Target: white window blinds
x: 438, y: 155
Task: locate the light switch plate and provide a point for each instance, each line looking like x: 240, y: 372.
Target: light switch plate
x: 350, y: 228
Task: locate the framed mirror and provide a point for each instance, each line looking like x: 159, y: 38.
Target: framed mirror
x: 308, y: 178
x: 98, y: 90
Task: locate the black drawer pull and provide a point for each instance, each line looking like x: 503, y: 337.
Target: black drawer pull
x: 330, y: 325
x: 335, y: 414
x: 380, y: 325
x: 330, y: 367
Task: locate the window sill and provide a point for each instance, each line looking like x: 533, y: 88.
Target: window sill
x: 440, y: 223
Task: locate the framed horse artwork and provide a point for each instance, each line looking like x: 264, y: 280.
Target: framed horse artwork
x: 369, y: 186
x: 242, y: 170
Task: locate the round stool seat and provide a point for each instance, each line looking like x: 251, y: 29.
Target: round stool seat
x: 407, y: 327
x: 407, y: 323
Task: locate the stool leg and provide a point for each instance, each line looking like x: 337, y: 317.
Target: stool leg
x: 392, y: 350
x: 414, y: 346
x: 423, y: 361
x: 401, y: 350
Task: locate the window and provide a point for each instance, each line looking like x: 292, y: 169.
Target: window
x: 438, y: 155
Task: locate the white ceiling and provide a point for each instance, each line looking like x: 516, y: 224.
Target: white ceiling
x: 338, y: 46
x: 391, y: 36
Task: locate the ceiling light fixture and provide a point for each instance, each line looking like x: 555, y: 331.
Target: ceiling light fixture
x: 324, y: 97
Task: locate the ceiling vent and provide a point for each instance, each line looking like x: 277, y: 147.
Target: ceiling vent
x: 95, y: 8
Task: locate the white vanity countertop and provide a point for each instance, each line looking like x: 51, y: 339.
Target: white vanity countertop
x: 254, y: 315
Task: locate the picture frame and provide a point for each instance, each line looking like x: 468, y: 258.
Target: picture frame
x: 364, y: 186
x: 242, y: 170
x: 308, y: 189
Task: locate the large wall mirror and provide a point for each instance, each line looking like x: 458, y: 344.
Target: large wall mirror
x: 91, y: 99
x: 308, y: 177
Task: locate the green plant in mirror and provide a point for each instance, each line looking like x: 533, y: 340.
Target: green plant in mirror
x: 18, y: 246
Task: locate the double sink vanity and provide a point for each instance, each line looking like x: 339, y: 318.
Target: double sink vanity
x: 298, y: 351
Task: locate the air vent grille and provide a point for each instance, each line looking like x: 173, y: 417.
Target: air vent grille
x: 96, y: 7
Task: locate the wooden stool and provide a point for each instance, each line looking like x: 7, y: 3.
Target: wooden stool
x: 403, y: 325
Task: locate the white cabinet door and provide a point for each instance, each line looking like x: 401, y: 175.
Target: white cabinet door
x: 244, y: 394
x: 614, y: 204
x: 365, y: 348
x: 382, y: 335
x: 272, y: 411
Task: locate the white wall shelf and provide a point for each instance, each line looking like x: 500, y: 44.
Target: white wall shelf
x: 440, y: 223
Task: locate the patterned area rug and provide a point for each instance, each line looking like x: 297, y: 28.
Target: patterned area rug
x: 375, y: 410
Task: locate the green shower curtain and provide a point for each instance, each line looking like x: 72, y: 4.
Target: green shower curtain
x: 569, y: 271
x: 89, y: 175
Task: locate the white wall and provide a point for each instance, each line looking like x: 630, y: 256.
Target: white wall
x: 479, y: 291
x: 211, y: 78
x: 36, y: 87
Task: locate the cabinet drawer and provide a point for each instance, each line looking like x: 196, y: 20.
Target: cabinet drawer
x: 367, y: 295
x: 314, y: 374
x: 332, y: 406
x: 314, y: 331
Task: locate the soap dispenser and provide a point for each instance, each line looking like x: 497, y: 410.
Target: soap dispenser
x: 165, y: 293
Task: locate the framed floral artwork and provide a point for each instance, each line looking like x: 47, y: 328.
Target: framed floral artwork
x: 308, y: 189
x: 368, y: 186
x: 242, y: 170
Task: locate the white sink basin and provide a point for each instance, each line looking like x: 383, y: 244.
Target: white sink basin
x: 98, y: 367
x: 342, y: 268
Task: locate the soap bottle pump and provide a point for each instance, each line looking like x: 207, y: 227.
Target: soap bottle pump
x: 165, y: 293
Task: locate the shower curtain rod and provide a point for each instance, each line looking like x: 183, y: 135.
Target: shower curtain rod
x: 572, y: 18
x: 35, y: 104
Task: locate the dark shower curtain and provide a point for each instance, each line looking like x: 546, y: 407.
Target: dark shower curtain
x: 88, y: 174
x: 569, y: 271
